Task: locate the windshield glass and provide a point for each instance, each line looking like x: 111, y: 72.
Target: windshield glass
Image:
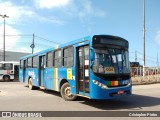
x: 111, y: 60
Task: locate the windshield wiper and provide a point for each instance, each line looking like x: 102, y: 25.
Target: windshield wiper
x: 110, y: 56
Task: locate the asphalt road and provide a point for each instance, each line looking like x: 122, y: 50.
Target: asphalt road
x: 15, y: 96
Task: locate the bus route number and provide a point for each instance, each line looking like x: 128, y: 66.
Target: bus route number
x: 109, y: 70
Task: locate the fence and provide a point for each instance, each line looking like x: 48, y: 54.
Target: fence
x: 151, y: 75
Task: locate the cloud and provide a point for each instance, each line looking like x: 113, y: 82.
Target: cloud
x: 88, y: 11
x: 49, y: 19
x: 61, y: 10
x: 16, y: 13
x: 158, y: 37
x: 10, y: 41
x: 49, y: 4
x: 81, y: 9
x: 21, y: 14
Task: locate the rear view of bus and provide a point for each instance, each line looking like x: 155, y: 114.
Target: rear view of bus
x: 109, y: 67
x: 9, y: 70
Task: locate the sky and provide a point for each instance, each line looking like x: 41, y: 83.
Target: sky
x: 59, y: 21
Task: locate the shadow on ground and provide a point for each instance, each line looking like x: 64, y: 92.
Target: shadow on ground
x: 134, y: 102
x: 9, y: 81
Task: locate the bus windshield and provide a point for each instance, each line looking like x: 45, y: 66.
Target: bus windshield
x: 111, y: 61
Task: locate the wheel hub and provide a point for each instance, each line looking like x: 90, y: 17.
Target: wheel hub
x: 67, y: 91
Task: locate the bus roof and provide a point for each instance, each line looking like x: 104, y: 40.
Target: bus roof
x: 37, y: 53
x: 83, y: 39
x: 87, y: 38
x: 14, y: 62
x: 59, y: 46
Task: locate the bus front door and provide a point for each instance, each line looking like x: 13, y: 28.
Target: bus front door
x: 83, y: 70
x: 42, y: 69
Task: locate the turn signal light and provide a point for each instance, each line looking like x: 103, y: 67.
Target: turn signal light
x: 100, y: 84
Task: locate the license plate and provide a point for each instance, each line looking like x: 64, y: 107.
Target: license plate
x: 120, y: 92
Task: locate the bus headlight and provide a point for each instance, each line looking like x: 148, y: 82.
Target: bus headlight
x: 104, y: 86
x: 95, y: 82
x: 99, y: 84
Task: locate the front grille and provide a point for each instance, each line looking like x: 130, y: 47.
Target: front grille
x: 117, y: 86
x: 115, y: 80
x: 112, y: 77
x: 117, y: 83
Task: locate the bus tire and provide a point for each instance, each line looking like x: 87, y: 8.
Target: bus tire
x: 6, y: 78
x: 66, y: 92
x: 30, y: 85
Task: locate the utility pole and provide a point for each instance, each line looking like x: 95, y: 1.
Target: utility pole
x: 32, y: 45
x: 4, y: 16
x: 144, y: 30
x: 136, y: 56
x: 157, y: 61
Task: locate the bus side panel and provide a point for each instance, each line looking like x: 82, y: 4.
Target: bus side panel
x: 69, y: 75
x: 21, y: 75
x: 73, y: 81
x: 33, y: 73
x: 35, y: 77
x: 48, y: 81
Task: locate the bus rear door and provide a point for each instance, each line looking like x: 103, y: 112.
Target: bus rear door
x: 42, y: 69
x: 24, y: 69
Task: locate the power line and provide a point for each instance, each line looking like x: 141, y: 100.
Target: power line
x: 27, y: 35
x: 46, y: 39
x: 146, y: 55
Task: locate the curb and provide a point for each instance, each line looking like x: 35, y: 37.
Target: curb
x: 145, y: 83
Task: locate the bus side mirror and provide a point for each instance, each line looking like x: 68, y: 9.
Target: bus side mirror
x: 92, y: 54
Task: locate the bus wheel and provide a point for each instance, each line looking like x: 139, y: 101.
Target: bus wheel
x: 30, y: 84
x: 66, y: 92
x: 6, y: 78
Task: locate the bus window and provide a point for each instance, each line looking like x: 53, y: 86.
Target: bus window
x: 8, y: 66
x: 49, y: 60
x: 68, y: 57
x: 29, y: 63
x: 58, y: 58
x: 1, y: 66
x: 35, y: 61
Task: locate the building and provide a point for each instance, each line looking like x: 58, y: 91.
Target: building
x: 12, y: 55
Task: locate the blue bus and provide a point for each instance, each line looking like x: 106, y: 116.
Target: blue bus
x: 95, y: 67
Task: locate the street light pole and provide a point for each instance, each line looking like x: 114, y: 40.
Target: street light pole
x: 4, y: 16
x: 144, y: 46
